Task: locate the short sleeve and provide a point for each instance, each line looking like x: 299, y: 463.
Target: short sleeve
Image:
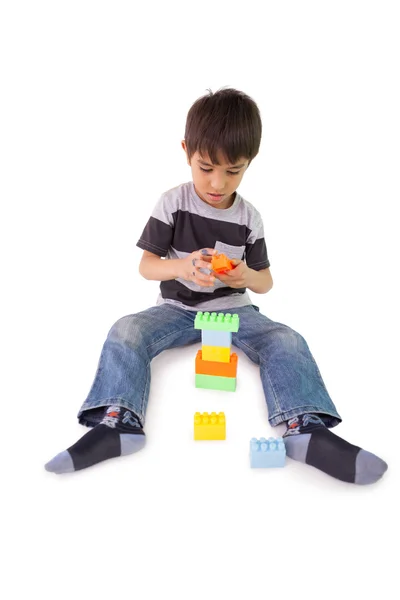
x: 158, y: 232
x: 256, y: 254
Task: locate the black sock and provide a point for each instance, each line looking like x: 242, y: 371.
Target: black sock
x: 118, y: 434
x: 308, y: 440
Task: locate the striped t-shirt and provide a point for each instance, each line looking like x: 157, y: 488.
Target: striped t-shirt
x: 182, y: 223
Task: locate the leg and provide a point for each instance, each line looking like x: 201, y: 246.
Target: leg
x: 295, y: 393
x: 290, y: 377
x: 117, y: 402
x: 123, y: 374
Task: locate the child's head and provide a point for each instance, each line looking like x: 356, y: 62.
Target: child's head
x: 222, y: 136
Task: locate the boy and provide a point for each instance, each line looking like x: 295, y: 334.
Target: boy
x: 188, y: 225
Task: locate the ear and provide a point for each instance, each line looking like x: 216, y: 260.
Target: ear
x: 183, y: 144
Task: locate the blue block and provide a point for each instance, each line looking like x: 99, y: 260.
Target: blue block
x: 267, y: 453
x: 216, y: 338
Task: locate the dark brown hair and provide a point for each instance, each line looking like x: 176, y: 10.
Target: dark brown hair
x: 227, y: 121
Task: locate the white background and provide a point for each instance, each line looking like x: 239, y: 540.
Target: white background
x: 94, y: 97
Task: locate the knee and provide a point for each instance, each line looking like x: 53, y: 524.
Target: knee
x: 128, y: 330
x: 286, y: 339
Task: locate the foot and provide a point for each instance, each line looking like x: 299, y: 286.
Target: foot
x: 118, y: 434
x: 308, y: 440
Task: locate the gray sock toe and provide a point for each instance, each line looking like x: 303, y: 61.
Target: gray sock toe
x: 369, y: 468
x: 62, y: 463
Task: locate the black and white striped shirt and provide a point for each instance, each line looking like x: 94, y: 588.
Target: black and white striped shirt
x: 181, y: 223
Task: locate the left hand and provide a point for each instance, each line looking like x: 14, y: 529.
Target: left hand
x: 238, y: 277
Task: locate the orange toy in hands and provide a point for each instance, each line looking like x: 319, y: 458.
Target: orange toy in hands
x: 221, y: 263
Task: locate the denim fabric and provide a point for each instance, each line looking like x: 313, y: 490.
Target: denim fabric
x: 290, y: 377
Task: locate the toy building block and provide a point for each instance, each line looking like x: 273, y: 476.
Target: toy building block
x: 209, y: 426
x: 210, y: 367
x: 216, y: 366
x: 267, y: 453
x: 215, y: 382
x: 221, y: 263
x: 216, y: 353
x: 217, y: 321
x: 216, y: 338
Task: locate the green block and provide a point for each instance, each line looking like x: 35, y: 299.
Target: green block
x: 217, y: 321
x: 216, y: 382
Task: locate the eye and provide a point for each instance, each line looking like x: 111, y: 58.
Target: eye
x: 229, y: 172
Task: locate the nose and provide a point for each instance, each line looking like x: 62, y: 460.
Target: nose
x: 218, y: 183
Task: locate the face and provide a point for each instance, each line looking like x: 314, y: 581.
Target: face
x: 216, y: 184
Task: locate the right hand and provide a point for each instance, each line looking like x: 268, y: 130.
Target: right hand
x: 191, y: 265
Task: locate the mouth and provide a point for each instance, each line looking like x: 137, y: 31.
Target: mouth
x: 216, y: 196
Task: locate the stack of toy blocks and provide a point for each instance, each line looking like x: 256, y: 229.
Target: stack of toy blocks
x: 209, y: 426
x: 216, y: 366
x: 267, y: 453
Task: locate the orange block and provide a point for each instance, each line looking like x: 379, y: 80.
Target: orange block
x: 221, y: 263
x: 210, y: 367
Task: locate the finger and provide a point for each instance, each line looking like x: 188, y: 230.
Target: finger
x: 203, y: 277
x: 202, y: 269
x: 205, y: 254
x: 202, y: 264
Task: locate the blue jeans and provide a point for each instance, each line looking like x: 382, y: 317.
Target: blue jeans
x: 290, y: 377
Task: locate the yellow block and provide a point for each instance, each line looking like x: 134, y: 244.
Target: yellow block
x: 216, y: 353
x: 209, y: 426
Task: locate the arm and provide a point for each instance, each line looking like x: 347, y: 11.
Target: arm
x: 158, y: 269
x: 260, y: 282
x: 257, y: 280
